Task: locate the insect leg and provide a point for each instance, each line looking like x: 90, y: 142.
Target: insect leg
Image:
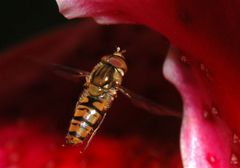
x: 93, y: 134
x: 147, y: 104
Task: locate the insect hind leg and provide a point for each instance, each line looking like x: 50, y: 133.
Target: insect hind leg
x: 85, y: 146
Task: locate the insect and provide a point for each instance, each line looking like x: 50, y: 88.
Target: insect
x: 100, y: 89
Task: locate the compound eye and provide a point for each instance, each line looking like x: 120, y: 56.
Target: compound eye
x: 118, y: 62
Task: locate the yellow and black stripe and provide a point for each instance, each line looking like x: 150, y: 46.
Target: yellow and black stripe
x: 101, y: 89
x: 88, y: 113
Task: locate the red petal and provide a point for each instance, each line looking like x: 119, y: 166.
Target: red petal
x: 28, y: 146
x: 206, y: 140
x: 208, y: 32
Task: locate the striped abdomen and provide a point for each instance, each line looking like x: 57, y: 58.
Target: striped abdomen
x: 88, y: 113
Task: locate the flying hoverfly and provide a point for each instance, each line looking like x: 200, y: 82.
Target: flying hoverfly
x: 100, y: 89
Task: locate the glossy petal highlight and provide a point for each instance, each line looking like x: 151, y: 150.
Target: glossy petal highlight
x: 206, y: 140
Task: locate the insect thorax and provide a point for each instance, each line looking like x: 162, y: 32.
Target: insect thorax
x: 103, y: 78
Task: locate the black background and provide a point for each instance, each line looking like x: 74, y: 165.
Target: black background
x: 21, y: 20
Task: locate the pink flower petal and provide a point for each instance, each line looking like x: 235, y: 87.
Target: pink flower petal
x: 206, y: 140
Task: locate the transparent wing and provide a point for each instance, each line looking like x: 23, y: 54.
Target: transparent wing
x: 137, y: 100
x: 68, y: 72
x: 148, y: 105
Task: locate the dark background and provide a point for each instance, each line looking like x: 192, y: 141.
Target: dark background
x: 32, y: 96
x: 21, y: 20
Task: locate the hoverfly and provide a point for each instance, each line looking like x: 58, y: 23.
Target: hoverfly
x: 100, y: 89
